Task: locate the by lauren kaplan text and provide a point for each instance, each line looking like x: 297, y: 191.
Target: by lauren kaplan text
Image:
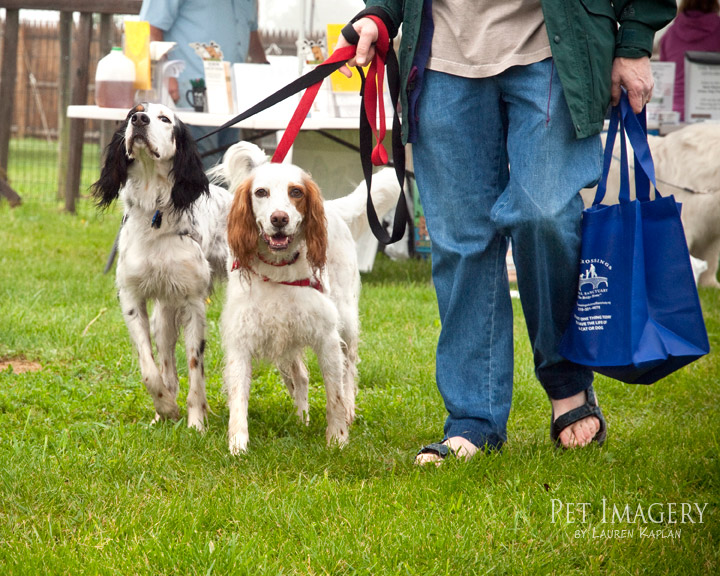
x: 621, y: 521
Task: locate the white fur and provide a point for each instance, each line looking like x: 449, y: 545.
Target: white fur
x: 263, y: 318
x: 173, y: 265
x: 687, y: 165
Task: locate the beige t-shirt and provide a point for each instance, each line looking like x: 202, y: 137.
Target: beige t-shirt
x: 482, y: 38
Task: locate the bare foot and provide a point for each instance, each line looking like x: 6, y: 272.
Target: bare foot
x: 460, y: 446
x: 580, y: 433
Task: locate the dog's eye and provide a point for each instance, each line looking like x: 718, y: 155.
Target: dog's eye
x: 164, y: 119
x: 261, y: 193
x: 296, y: 193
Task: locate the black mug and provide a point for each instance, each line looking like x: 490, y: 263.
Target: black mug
x: 196, y: 99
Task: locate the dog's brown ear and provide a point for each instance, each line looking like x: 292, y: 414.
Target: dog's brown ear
x: 315, y: 225
x: 242, y: 230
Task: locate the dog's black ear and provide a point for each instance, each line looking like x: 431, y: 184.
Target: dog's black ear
x: 190, y: 181
x: 114, y: 172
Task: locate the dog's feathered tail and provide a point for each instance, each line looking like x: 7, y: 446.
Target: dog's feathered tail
x: 353, y: 207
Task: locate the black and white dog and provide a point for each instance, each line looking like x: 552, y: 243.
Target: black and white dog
x: 171, y: 247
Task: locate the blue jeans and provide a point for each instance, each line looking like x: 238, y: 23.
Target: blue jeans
x: 497, y: 159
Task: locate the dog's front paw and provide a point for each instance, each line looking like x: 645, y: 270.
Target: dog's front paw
x: 337, y: 435
x: 165, y: 404
x: 238, y: 444
x: 197, y: 416
x: 196, y: 423
x: 166, y: 411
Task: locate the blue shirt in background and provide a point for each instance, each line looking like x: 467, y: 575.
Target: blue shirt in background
x: 227, y: 22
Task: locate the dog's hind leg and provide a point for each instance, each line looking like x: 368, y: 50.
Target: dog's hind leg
x: 295, y: 376
x: 195, y: 351
x: 350, y: 360
x: 238, y: 373
x: 136, y: 317
x: 350, y: 334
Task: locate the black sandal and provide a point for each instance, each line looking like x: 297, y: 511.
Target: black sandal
x: 590, y: 408
x: 436, y: 448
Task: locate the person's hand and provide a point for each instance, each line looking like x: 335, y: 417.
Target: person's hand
x: 635, y: 75
x: 368, y: 32
x: 173, y: 89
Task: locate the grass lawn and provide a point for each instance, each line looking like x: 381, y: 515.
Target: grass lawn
x: 87, y: 486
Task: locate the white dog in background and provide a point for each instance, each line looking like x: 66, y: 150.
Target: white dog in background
x: 171, y: 246
x: 294, y: 283
x: 687, y: 165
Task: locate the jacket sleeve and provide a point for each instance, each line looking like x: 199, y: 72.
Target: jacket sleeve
x: 390, y: 12
x: 638, y: 21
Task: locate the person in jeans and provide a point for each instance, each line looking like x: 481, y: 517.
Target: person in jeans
x: 503, y: 103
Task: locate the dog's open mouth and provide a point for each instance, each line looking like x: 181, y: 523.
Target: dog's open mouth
x: 142, y: 139
x: 277, y: 242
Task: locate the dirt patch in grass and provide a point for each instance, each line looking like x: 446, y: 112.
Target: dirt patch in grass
x: 19, y: 365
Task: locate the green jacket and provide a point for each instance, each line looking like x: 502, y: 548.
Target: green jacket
x: 585, y: 36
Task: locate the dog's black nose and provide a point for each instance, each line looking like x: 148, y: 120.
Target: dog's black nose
x: 140, y: 119
x: 279, y: 219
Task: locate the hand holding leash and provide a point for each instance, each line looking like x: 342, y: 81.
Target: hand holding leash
x: 363, y: 34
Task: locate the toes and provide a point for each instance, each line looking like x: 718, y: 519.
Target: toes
x: 567, y: 438
x: 580, y: 433
x: 424, y: 459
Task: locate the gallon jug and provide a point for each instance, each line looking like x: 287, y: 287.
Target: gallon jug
x: 114, y: 80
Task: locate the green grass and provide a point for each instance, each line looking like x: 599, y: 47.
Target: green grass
x: 87, y: 486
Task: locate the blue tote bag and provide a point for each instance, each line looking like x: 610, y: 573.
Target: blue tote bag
x: 638, y: 316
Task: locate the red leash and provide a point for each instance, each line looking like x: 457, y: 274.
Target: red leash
x: 372, y: 98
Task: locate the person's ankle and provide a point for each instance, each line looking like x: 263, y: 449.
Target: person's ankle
x: 564, y: 405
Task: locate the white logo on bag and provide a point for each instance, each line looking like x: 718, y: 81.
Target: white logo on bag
x: 590, y: 277
x: 594, y: 308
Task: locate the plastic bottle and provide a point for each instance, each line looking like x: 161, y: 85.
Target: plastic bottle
x: 114, y: 80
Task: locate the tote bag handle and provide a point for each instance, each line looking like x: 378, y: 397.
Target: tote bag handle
x: 633, y: 125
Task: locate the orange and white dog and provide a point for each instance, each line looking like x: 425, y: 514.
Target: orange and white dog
x: 294, y: 283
